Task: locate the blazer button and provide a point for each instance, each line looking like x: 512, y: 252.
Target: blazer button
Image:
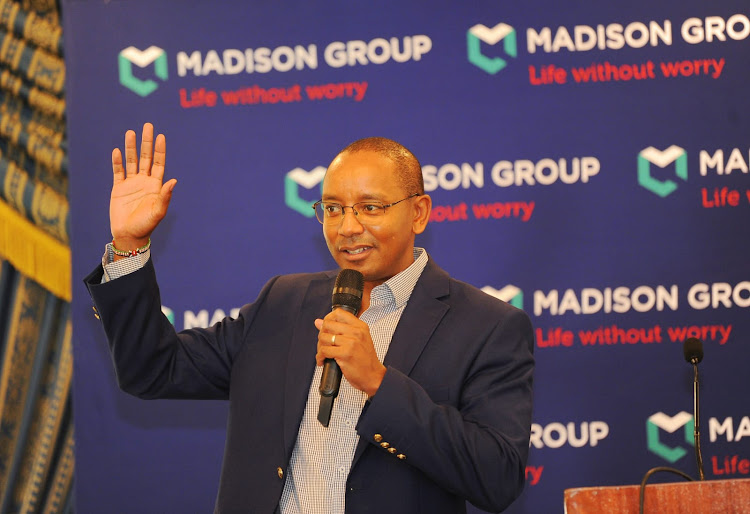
x: 392, y: 450
x: 384, y: 444
x: 377, y: 438
x: 401, y: 456
x: 280, y: 472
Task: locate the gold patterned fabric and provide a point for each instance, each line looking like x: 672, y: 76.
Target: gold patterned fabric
x: 38, y: 139
x: 35, y: 97
x: 44, y: 69
x: 36, y: 360
x: 30, y: 26
x: 26, y: 315
x: 45, y: 424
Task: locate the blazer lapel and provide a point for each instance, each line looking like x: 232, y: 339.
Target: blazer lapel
x: 301, y: 359
x: 419, y: 320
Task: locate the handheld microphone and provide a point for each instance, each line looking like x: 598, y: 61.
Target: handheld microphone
x: 693, y: 350
x: 347, y: 295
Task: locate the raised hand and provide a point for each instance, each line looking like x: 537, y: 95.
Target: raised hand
x: 139, y: 200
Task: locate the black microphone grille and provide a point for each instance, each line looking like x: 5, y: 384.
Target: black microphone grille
x: 347, y: 292
x: 693, y: 349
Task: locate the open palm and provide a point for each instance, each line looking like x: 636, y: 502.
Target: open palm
x: 139, y: 199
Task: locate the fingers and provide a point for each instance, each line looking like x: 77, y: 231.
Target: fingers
x: 152, y: 157
x: 160, y: 156
x: 131, y: 159
x: 147, y: 148
x: 329, y: 352
x: 340, y: 321
x: 117, y: 169
x: 338, y: 332
x: 330, y: 328
x: 348, y: 341
x: 331, y: 346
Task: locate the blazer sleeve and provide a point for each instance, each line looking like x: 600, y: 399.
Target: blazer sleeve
x: 476, y: 445
x: 151, y: 360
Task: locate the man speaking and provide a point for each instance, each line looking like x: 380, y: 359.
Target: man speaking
x: 434, y: 407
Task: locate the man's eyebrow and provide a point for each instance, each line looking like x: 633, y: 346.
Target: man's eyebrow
x: 362, y: 198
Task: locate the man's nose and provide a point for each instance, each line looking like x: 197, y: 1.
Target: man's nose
x: 350, y: 223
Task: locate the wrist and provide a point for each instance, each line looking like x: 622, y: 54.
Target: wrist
x: 128, y: 244
x: 375, y: 384
x: 123, y: 249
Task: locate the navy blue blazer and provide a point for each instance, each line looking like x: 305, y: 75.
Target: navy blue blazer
x: 455, y: 402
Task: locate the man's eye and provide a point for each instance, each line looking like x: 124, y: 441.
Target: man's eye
x: 370, y: 208
x: 332, y: 209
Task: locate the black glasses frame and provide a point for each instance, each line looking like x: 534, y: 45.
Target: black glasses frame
x: 344, y: 207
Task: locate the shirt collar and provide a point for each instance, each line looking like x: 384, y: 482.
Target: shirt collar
x: 397, y: 289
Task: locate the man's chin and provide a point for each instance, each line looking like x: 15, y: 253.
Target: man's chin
x: 368, y: 274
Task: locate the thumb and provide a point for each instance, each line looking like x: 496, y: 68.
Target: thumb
x: 165, y: 196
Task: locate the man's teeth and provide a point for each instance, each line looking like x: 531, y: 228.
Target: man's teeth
x: 355, y: 252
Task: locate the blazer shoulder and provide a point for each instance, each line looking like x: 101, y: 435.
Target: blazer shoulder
x: 294, y: 287
x: 298, y: 280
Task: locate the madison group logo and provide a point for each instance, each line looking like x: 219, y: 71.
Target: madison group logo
x: 660, y: 422
x: 142, y: 58
x: 479, y: 34
x: 510, y: 293
x: 169, y: 313
x: 646, y: 175
x: 308, y: 180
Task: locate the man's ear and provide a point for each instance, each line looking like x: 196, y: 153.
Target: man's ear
x: 422, y: 209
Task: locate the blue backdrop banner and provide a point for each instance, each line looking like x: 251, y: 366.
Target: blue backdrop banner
x: 588, y: 162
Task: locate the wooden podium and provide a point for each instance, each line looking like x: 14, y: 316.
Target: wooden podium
x: 709, y: 496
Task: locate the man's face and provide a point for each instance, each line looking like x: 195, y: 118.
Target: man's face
x: 381, y: 249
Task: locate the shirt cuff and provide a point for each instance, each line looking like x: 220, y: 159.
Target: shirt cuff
x: 114, y: 270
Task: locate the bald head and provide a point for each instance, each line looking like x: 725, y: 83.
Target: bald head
x: 408, y: 167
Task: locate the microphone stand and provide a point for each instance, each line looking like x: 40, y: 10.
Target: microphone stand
x: 696, y: 416
x: 693, y: 350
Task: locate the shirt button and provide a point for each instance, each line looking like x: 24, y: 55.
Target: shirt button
x: 342, y: 469
x: 280, y: 472
x: 377, y: 438
x: 348, y: 422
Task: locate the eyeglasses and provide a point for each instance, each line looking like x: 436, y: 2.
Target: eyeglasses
x: 366, y: 212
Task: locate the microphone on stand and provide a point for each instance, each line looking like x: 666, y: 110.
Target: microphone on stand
x: 347, y: 295
x: 693, y: 350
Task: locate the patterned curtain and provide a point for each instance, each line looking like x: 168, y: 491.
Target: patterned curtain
x: 36, y: 429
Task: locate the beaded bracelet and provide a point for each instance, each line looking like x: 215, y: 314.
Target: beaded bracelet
x: 131, y: 253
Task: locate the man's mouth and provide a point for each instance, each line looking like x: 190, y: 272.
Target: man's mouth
x: 356, y: 251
